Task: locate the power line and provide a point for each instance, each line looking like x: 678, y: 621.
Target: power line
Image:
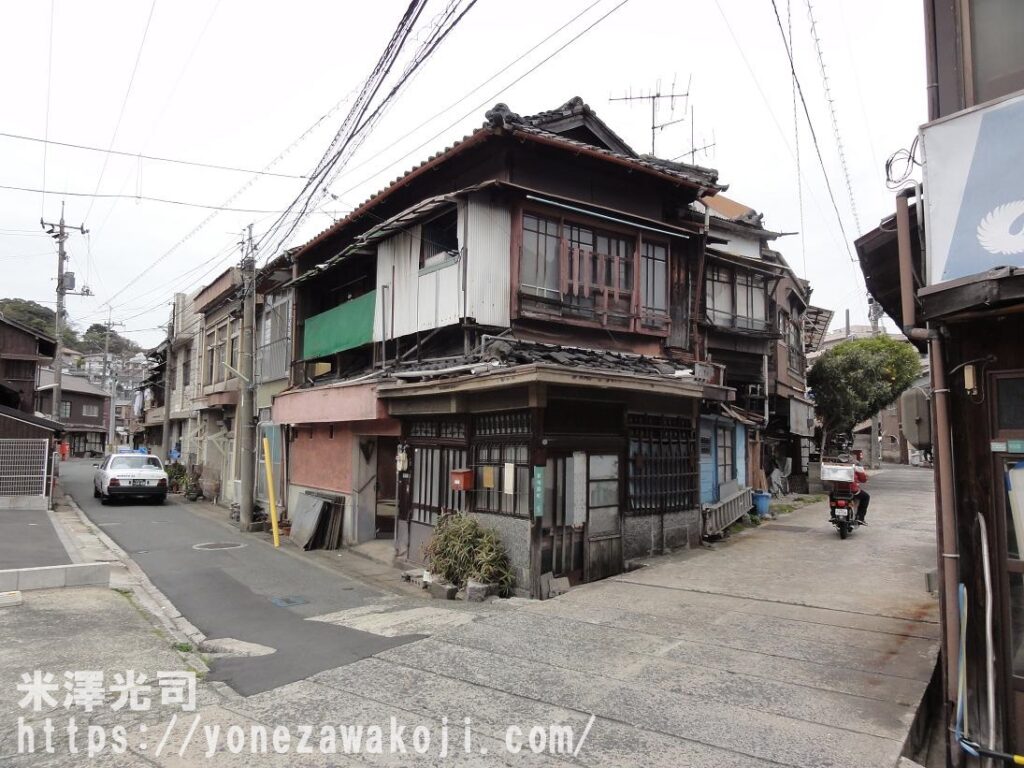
x: 124, y: 103
x: 49, y: 80
x: 796, y: 144
x: 810, y: 127
x: 155, y: 158
x: 237, y: 193
x: 469, y: 93
x: 771, y: 113
x: 350, y: 126
x: 145, y: 198
x: 832, y: 112
x: 493, y: 96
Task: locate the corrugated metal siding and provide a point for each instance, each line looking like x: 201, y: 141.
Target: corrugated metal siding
x: 433, y: 299
x: 398, y: 258
x: 488, y: 245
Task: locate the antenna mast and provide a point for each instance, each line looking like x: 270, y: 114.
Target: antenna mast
x: 655, y: 97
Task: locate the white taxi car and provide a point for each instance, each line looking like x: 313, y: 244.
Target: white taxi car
x: 130, y: 475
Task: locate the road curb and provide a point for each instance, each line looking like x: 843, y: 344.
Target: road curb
x: 149, y: 597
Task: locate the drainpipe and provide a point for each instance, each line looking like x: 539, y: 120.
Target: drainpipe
x: 946, y: 539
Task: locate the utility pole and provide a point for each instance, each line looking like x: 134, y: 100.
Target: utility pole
x: 110, y: 381
x: 165, y: 442
x: 246, y: 413
x: 65, y: 287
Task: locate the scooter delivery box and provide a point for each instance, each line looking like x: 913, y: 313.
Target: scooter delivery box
x: 840, y: 473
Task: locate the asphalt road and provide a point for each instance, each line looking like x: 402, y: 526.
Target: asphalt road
x: 28, y: 540
x: 227, y: 592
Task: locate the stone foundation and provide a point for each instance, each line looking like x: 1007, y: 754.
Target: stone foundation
x: 646, y: 535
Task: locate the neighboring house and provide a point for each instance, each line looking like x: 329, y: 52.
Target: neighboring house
x: 84, y: 410
x: 522, y: 316
x: 185, y: 382
x: 755, y: 321
x: 22, y: 350
x: 272, y: 362
x: 218, y: 388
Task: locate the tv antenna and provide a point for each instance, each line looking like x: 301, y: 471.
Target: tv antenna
x: 654, y: 98
x: 694, y: 149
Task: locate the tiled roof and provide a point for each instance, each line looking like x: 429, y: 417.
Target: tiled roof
x: 501, y: 119
x: 512, y: 353
x: 575, y: 106
x: 70, y: 383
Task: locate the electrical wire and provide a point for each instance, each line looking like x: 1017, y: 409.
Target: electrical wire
x: 145, y: 198
x: 900, y: 166
x: 494, y: 95
x: 832, y: 112
x: 46, y: 129
x: 347, y: 131
x: 463, y: 98
x: 796, y: 146
x: 814, y: 135
x: 124, y: 104
x: 154, y: 158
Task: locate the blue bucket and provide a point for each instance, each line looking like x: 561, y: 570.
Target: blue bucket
x: 761, y: 502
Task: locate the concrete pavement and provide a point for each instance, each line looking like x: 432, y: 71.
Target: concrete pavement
x: 225, y: 584
x: 782, y: 646
x: 28, y: 540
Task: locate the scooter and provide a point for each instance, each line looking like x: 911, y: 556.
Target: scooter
x: 842, y: 505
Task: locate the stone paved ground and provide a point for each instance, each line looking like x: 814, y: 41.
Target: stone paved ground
x: 781, y: 646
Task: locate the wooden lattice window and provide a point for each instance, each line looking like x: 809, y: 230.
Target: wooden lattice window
x: 663, y: 473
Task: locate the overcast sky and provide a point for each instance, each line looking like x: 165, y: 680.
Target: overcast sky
x: 236, y: 82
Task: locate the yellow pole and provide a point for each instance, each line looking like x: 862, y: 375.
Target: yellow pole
x: 271, y: 491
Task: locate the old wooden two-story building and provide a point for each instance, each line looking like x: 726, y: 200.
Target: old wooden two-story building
x: 22, y: 350
x: 84, y: 411
x: 555, y: 315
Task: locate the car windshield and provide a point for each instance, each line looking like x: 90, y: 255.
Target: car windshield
x: 135, y: 462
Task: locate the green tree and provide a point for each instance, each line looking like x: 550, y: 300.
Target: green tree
x: 856, y: 379
x: 94, y: 339
x: 37, y: 317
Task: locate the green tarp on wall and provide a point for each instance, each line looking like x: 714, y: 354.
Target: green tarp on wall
x: 346, y: 326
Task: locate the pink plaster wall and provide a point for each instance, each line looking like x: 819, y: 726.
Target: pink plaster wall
x: 315, y: 460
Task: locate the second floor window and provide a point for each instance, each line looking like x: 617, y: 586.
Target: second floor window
x: 654, y: 279
x: 186, y: 368
x: 439, y: 240
x: 540, y: 269
x: 737, y: 298
x: 91, y: 410
x: 211, y: 346
x: 65, y: 409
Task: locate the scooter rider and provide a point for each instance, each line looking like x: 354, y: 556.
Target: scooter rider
x: 862, y: 496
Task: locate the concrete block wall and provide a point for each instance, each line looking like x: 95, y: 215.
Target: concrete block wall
x: 646, y: 535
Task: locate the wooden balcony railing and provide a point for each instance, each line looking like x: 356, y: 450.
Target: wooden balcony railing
x: 600, y: 289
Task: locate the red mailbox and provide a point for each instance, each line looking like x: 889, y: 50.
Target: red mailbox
x: 462, y: 479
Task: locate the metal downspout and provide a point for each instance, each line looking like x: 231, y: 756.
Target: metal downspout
x: 946, y: 537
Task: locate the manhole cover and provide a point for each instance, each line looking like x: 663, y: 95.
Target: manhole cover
x: 219, y: 545
x: 284, y: 602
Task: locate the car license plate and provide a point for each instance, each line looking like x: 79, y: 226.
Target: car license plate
x: 840, y: 513
x: 139, y: 482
